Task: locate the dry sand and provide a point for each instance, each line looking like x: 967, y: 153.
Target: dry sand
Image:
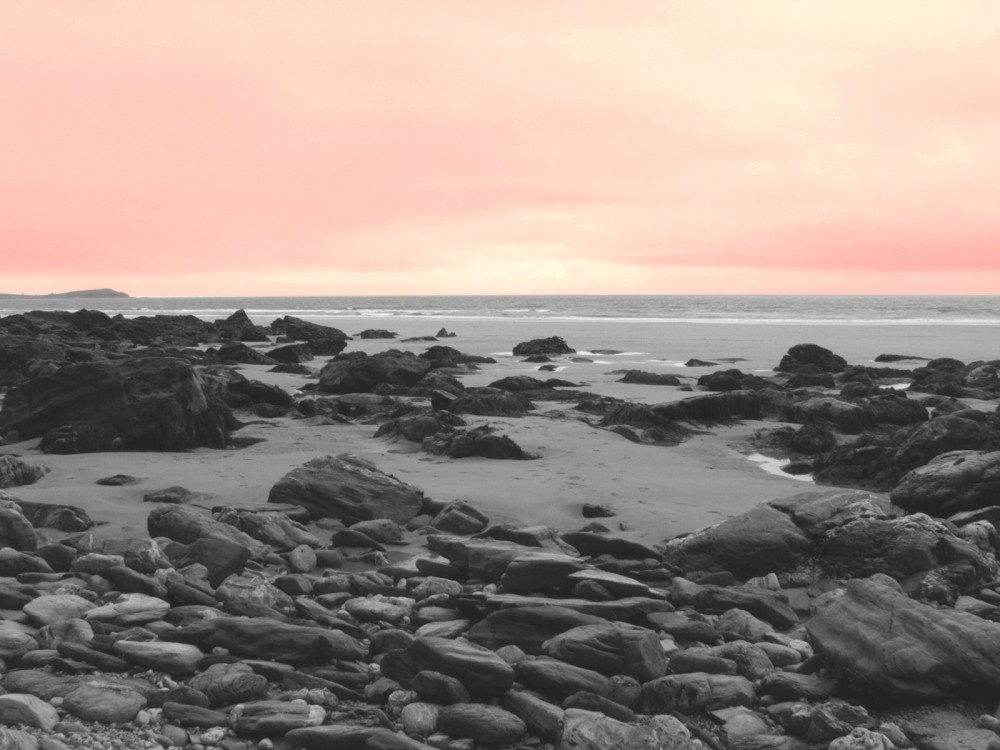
x: 657, y: 492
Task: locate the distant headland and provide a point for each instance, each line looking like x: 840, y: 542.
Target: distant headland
x: 89, y: 293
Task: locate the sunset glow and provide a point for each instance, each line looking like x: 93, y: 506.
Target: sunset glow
x: 566, y: 146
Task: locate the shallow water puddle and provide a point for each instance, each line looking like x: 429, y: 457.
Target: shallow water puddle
x: 775, y: 465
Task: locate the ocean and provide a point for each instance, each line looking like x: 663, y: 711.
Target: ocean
x: 653, y: 330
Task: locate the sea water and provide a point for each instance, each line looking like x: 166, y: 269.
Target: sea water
x: 749, y: 332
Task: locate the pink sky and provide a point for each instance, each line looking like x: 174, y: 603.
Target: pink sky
x: 564, y: 146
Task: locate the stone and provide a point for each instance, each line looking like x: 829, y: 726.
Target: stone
x: 696, y: 692
x: 221, y: 558
x: 53, y: 608
x: 172, y: 658
x: 14, y: 472
x: 539, y: 571
x: 262, y: 638
x: 476, y: 441
x: 527, y: 627
x: 346, y: 486
x: 420, y: 718
x: 130, y: 609
x: 553, y: 345
x: 480, y: 670
x: 226, y: 684
x: 16, y: 531
x: 895, y: 648
x: 590, y: 730
x: 540, y: 716
x: 439, y: 688
x: 15, y: 642
x: 611, y: 649
x: 188, y: 525
x: 950, y: 483
x: 364, y: 373
x: 273, y: 717
x: 21, y: 708
x: 485, y: 724
x: 104, y: 701
x: 801, y: 355
x: 340, y: 736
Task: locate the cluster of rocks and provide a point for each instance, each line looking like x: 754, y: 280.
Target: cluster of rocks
x: 244, y: 629
x: 785, y: 627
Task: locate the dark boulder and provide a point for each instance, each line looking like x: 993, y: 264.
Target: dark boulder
x: 491, y: 402
x: 448, y: 356
x: 292, y: 354
x: 950, y: 483
x: 801, y: 355
x: 519, y: 384
x: 478, y: 441
x: 346, y: 486
x: 364, y: 374
x: 649, y: 378
x: 377, y: 333
x: 239, y: 327
x: 324, y: 341
x: 553, y: 345
x: 417, y: 427
x: 135, y: 404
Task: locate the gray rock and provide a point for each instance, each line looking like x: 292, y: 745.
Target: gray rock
x: 346, y: 486
x: 22, y: 708
x: 14, y: 472
x: 226, y: 684
x: 893, y: 647
x: 104, y: 701
x: 486, y: 725
x: 696, y: 692
x: 950, y: 483
x: 611, y: 649
x: 589, y: 730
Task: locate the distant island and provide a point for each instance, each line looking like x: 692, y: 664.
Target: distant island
x: 88, y: 293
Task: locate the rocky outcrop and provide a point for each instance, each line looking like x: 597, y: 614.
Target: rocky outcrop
x: 834, y: 534
x: 136, y: 404
x: 950, y: 483
x: 892, y: 648
x: 346, y: 486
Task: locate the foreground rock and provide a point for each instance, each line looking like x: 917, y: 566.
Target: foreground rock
x: 891, y: 647
x: 136, y: 404
x: 834, y: 534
